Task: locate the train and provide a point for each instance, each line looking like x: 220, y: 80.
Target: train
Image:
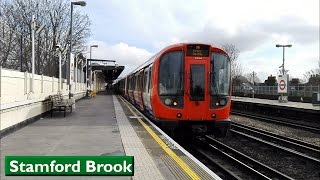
x: 184, y: 86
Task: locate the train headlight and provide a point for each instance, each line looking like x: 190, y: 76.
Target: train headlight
x: 175, y: 103
x: 168, y: 101
x: 223, y: 102
x: 213, y: 115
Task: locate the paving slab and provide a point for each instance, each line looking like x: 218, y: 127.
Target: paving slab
x: 91, y: 129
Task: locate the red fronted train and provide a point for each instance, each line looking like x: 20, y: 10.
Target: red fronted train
x: 184, y: 86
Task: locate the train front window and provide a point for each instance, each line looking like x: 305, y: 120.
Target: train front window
x: 220, y: 74
x: 171, y: 74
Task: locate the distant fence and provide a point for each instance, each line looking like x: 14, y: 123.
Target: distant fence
x: 295, y: 93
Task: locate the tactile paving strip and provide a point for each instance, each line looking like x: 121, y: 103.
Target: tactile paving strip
x: 144, y: 167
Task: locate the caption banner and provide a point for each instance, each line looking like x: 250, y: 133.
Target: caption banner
x: 69, y: 165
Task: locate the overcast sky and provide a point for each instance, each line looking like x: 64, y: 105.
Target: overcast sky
x: 133, y: 30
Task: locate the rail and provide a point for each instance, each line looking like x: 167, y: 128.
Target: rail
x: 278, y: 121
x: 240, y: 166
x: 299, y: 146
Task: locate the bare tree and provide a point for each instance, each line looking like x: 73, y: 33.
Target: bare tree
x: 15, y: 33
x: 236, y: 68
x: 312, y: 73
x: 249, y: 77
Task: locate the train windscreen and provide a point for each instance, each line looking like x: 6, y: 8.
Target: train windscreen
x: 171, y: 74
x: 220, y: 74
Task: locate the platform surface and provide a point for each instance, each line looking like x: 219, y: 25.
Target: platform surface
x: 298, y: 105
x: 99, y: 126
x: 91, y: 129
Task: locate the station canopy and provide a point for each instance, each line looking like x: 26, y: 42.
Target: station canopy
x: 109, y: 68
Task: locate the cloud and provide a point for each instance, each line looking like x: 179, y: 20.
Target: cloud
x: 248, y: 37
x: 266, y: 59
x: 129, y: 56
x: 143, y: 28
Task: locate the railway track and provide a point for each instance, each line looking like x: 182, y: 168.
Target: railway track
x: 233, y: 164
x: 295, y: 146
x: 250, y: 153
x: 280, y: 122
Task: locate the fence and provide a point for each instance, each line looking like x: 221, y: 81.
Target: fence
x: 15, y: 86
x: 297, y: 91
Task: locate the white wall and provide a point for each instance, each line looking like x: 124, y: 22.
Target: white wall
x: 19, y: 104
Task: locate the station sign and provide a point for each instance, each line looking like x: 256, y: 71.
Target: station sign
x: 283, y: 83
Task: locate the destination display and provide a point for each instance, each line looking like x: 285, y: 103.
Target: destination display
x: 198, y: 50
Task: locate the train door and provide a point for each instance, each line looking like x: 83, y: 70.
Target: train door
x: 146, y: 92
x: 140, y: 89
x: 196, y: 99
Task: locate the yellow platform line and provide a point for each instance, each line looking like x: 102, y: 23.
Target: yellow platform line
x: 174, y: 156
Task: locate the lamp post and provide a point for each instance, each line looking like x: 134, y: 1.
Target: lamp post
x: 34, y: 31
x: 283, y: 47
x: 59, y: 82
x: 33, y: 27
x: 253, y: 73
x: 78, y: 3
x: 90, y: 66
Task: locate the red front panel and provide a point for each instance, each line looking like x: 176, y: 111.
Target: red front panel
x: 196, y: 99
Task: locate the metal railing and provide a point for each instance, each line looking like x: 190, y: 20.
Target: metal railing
x: 299, y: 91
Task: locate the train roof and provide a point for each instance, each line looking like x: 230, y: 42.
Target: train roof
x: 150, y: 60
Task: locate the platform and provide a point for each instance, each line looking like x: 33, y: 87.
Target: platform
x: 102, y: 126
x: 289, y: 104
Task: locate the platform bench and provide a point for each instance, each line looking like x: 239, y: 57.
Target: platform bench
x: 60, y: 104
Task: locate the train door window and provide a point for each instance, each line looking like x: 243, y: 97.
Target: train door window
x: 140, y: 81
x: 197, y: 80
x: 171, y: 74
x: 220, y: 74
x: 132, y: 82
x: 145, y: 80
x: 136, y: 83
x: 129, y: 83
x: 150, y: 79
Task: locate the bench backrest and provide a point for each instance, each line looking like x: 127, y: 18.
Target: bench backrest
x: 56, y: 99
